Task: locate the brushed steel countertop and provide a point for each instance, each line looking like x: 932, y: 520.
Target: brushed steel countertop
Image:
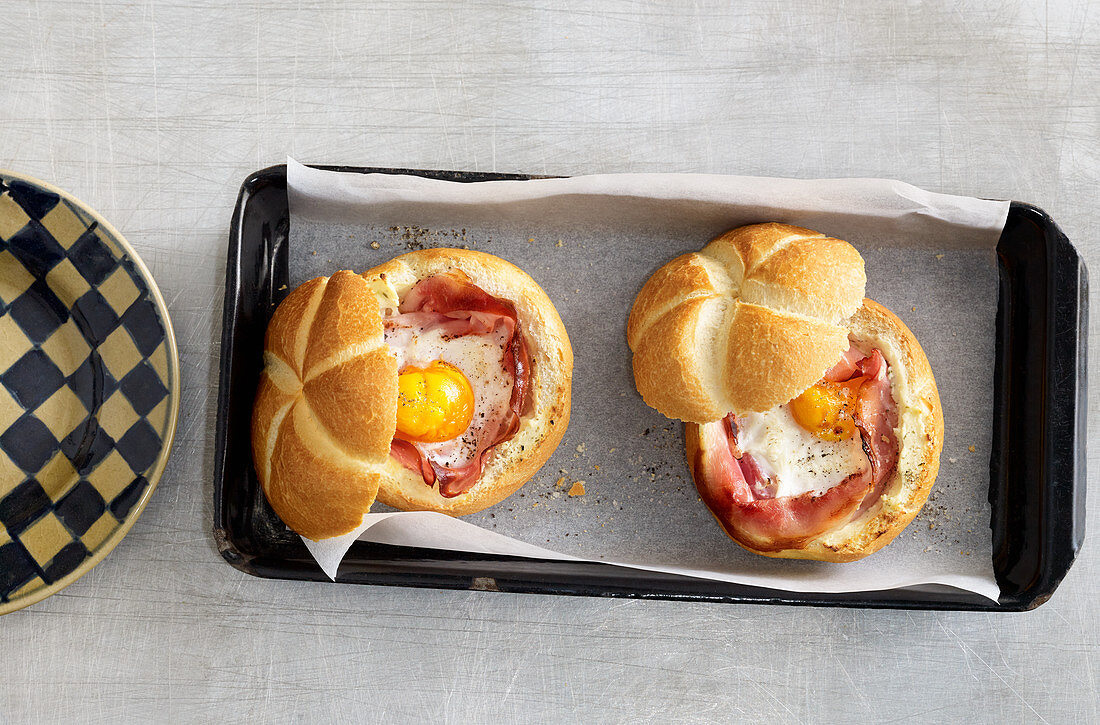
x: 154, y: 112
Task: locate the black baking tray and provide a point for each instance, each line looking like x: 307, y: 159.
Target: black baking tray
x: 1037, y: 465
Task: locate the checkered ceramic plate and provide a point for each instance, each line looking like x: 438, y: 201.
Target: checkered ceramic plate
x: 89, y: 389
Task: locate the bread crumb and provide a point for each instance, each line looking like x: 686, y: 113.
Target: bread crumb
x: 558, y: 244
x: 971, y: 448
x: 952, y: 460
x: 375, y: 245
x: 939, y: 256
x: 283, y: 287
x: 931, y: 524
x: 314, y: 252
x: 577, y: 489
x: 613, y: 450
x: 560, y: 482
x: 581, y: 448
x: 530, y: 239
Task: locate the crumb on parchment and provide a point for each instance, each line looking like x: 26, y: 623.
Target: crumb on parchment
x: 560, y: 482
x: 971, y: 448
x: 375, y: 245
x: 577, y: 489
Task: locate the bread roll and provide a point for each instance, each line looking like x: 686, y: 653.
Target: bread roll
x: 514, y: 461
x: 745, y: 324
x: 920, y: 439
x: 326, y: 406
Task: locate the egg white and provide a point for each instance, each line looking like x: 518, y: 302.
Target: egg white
x: 480, y: 357
x: 796, y: 460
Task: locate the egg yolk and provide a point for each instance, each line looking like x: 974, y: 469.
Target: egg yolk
x: 434, y: 404
x: 825, y: 410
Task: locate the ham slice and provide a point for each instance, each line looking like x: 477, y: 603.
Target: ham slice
x: 742, y: 499
x: 450, y: 301
x: 846, y: 367
x: 876, y: 417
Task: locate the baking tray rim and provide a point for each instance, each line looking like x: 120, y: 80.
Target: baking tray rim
x: 371, y: 571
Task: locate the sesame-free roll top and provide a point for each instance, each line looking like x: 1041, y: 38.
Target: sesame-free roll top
x: 747, y: 323
x: 326, y: 407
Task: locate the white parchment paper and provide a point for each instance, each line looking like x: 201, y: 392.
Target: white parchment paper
x: 591, y: 242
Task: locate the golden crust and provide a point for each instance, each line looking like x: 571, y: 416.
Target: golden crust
x: 510, y: 464
x: 776, y: 297
x: 301, y: 455
x: 272, y: 403
x: 685, y: 278
x: 757, y: 242
x: 288, y: 331
x: 666, y: 378
x: 816, y: 278
x: 920, y: 437
x: 347, y: 321
x: 756, y: 336
x: 356, y: 401
x: 326, y: 407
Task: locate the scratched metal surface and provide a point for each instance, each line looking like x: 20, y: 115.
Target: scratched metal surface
x: 155, y: 112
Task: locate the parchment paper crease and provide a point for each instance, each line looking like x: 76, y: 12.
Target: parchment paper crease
x: 591, y: 241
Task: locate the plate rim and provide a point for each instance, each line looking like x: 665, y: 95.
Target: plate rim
x: 174, y: 395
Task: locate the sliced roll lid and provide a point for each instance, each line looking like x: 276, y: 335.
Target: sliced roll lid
x: 326, y: 406
x: 747, y: 323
